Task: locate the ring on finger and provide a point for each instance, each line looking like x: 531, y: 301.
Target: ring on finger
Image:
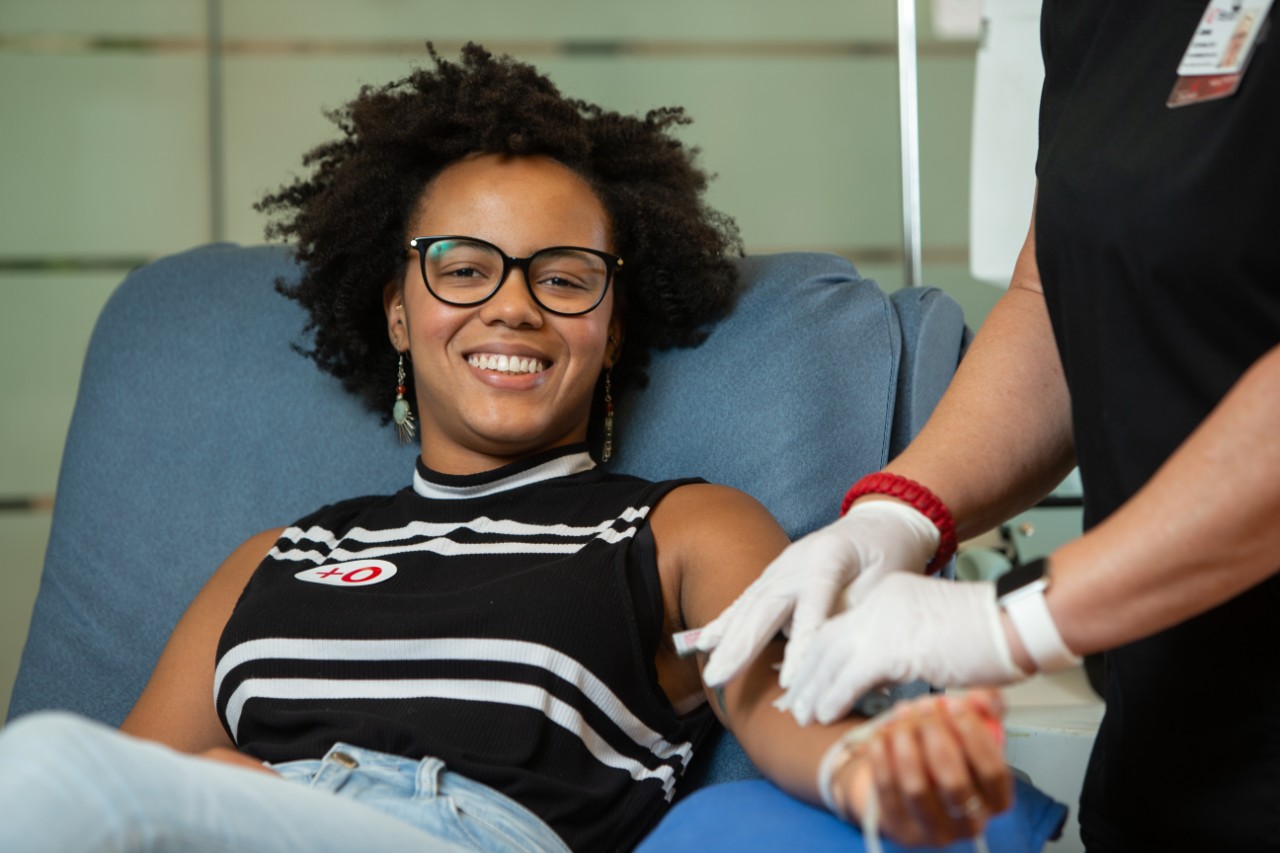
x: 968, y: 808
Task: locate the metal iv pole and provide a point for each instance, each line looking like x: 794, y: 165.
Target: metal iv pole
x: 909, y: 132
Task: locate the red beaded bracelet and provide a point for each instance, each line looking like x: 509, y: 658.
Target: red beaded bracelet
x: 911, y: 492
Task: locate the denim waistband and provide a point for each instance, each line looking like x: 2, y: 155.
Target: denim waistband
x: 429, y: 778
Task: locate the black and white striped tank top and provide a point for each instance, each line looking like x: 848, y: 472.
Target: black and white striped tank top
x: 505, y: 622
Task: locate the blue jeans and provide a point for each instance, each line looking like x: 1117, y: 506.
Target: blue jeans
x: 67, y: 783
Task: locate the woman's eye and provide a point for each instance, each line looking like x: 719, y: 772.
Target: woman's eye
x: 562, y: 283
x: 463, y: 272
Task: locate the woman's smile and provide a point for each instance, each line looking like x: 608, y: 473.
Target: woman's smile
x: 508, y: 368
x: 505, y: 364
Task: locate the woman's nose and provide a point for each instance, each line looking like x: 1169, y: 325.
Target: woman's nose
x: 513, y: 304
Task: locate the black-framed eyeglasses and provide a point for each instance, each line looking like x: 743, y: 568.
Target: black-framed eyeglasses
x: 467, y: 271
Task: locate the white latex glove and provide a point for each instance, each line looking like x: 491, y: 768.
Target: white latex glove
x: 814, y: 578
x: 908, y: 627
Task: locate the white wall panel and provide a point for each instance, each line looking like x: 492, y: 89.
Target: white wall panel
x: 104, y: 154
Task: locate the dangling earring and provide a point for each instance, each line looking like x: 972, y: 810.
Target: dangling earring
x: 400, y: 412
x: 608, y: 418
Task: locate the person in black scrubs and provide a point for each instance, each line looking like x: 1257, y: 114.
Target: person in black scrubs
x: 1139, y: 341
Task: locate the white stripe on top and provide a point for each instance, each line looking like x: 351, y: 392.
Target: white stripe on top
x: 505, y: 692
x: 574, y: 463
x: 481, y: 524
x: 445, y: 547
x: 441, y: 544
x: 452, y: 648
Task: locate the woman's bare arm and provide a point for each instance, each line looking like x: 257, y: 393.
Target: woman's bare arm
x: 176, y: 707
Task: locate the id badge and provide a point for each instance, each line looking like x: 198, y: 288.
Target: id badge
x: 1215, y: 60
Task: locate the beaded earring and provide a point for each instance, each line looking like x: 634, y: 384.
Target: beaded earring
x: 608, y: 418
x: 400, y: 412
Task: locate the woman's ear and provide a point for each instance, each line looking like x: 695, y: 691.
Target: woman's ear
x: 397, y: 325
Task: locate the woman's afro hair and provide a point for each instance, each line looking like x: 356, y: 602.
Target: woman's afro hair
x: 348, y: 218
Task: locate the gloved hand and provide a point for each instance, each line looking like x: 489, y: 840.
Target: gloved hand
x: 908, y: 627
x: 814, y: 578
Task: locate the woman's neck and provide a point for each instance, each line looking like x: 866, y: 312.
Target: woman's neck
x: 455, y: 460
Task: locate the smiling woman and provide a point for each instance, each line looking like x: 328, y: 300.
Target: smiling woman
x: 482, y: 661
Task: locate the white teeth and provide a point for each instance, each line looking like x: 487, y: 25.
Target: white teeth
x: 505, y: 364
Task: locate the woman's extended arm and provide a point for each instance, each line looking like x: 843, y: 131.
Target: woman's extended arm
x: 176, y: 707
x: 926, y: 767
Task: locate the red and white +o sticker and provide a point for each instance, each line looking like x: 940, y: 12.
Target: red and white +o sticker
x: 355, y: 573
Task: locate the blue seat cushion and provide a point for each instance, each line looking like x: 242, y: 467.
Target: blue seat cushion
x: 740, y: 817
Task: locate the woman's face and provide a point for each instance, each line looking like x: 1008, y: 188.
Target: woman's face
x: 471, y: 414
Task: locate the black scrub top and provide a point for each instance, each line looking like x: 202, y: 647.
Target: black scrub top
x: 1158, y: 242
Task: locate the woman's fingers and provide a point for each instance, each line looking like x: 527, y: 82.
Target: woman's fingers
x: 956, y: 785
x: 916, y: 775
x: 895, y: 819
x: 939, y: 770
x: 984, y: 753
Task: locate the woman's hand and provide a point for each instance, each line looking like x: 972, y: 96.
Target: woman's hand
x: 936, y: 767
x: 239, y: 759
x: 814, y: 579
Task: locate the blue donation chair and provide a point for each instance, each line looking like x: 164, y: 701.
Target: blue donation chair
x: 198, y: 424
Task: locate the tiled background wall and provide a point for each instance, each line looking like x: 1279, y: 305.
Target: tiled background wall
x: 134, y: 128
